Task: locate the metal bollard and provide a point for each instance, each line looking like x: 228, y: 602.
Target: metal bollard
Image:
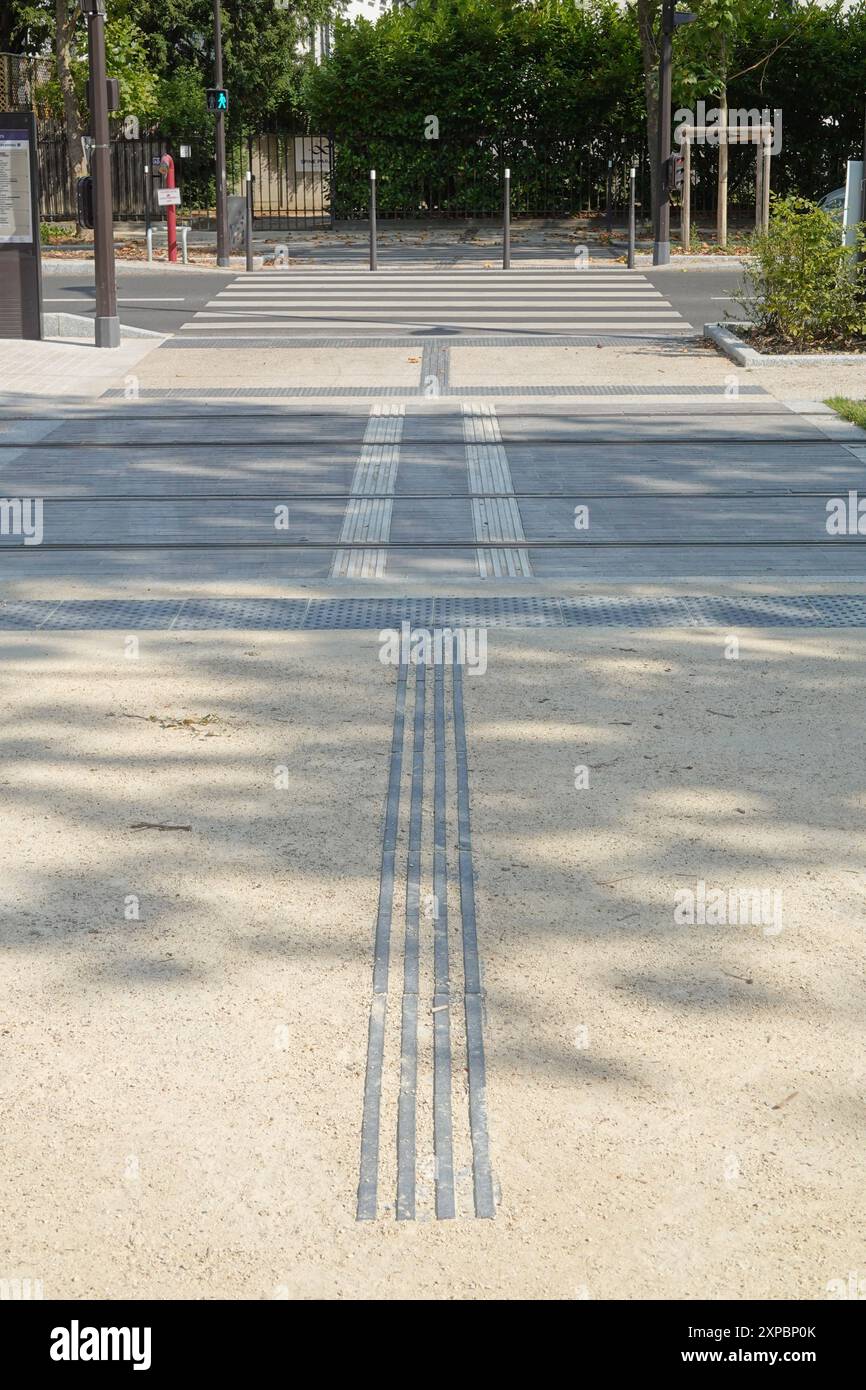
x: 374, y: 253
x: 506, y: 222
x: 631, y: 178
x: 248, y: 226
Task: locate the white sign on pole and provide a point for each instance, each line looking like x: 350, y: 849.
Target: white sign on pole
x: 168, y: 197
x: 851, y: 214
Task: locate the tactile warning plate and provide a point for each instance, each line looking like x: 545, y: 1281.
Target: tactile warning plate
x: 89, y: 614
x: 293, y: 615
x: 263, y: 614
x: 368, y: 613
x: 498, y: 612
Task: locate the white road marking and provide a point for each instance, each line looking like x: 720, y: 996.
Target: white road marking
x: 493, y: 518
x: 369, y: 519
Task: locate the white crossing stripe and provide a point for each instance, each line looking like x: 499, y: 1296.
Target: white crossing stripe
x: 369, y: 519
x: 493, y: 518
x: 332, y: 301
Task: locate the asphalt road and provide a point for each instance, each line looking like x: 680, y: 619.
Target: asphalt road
x: 164, y: 300
x: 701, y: 296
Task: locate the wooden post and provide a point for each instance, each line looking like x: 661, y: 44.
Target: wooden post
x: 759, y: 184
x: 686, y: 214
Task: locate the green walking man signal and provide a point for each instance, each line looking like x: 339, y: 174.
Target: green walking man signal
x: 217, y: 99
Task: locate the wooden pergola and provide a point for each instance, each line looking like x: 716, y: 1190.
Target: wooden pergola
x: 760, y: 135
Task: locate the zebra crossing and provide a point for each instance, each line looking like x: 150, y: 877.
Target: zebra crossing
x: 311, y: 301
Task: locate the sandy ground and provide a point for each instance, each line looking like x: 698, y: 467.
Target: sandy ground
x: 643, y: 364
x: 272, y: 366
x: 676, y: 1112
x: 54, y: 370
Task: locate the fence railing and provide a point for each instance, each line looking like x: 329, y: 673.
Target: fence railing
x: 300, y: 180
x: 291, y: 171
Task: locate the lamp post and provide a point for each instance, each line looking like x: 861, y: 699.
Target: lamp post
x: 222, y: 206
x: 107, y: 333
x: 670, y: 21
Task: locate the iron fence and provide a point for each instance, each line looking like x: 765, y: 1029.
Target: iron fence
x: 291, y: 172
x: 300, y: 180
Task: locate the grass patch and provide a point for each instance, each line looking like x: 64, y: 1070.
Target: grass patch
x: 855, y: 411
x: 50, y: 232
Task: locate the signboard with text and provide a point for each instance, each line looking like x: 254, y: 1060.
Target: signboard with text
x: 20, y: 252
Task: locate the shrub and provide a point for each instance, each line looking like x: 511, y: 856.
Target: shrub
x: 803, y: 286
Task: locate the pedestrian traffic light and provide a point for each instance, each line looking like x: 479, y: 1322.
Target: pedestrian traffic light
x: 84, y: 192
x: 676, y: 171
x: 217, y: 99
x: 112, y: 94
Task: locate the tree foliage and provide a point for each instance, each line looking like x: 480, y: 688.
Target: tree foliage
x: 506, y: 83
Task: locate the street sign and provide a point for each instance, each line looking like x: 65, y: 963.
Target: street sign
x: 20, y: 251
x: 312, y: 155
x: 217, y: 99
x: 186, y: 151
x: 168, y: 197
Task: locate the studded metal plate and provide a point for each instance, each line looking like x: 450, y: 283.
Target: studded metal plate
x: 263, y: 614
x: 311, y: 615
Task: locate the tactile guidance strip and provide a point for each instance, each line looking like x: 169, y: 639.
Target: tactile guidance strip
x: 425, y: 1148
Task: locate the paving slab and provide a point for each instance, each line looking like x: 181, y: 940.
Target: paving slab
x: 31, y: 372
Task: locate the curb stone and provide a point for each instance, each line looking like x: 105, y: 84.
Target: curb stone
x: 734, y: 347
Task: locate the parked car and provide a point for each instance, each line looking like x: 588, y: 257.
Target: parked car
x: 834, y: 203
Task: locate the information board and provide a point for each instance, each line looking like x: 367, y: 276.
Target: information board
x: 20, y: 251
x: 16, y: 195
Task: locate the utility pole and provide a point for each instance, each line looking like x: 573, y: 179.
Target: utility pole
x: 222, y: 207
x: 670, y: 21
x: 107, y: 322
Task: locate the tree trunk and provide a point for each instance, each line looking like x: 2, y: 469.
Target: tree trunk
x: 647, y: 15
x: 65, y: 52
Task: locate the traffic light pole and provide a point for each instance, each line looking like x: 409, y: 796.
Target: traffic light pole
x: 662, y: 239
x: 222, y: 207
x: 107, y: 321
